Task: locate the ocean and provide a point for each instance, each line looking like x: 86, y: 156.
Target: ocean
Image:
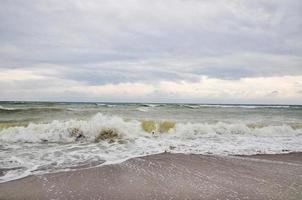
x: 45, y: 137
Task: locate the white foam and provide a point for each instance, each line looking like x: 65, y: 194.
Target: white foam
x: 6, y: 108
x: 151, y: 105
x: 143, y: 109
x: 25, y: 146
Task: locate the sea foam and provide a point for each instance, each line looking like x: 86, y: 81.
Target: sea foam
x: 105, y: 139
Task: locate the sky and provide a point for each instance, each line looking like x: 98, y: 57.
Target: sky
x: 194, y: 51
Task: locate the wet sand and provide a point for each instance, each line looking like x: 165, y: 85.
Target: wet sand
x: 171, y: 176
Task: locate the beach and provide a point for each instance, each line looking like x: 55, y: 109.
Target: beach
x: 170, y: 176
x: 150, y: 151
x: 151, y: 100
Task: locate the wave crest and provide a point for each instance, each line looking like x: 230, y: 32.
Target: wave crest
x: 59, y: 145
x: 88, y: 130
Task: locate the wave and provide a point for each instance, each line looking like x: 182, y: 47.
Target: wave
x: 140, y: 107
x: 196, y: 106
x: 58, y: 131
x: 151, y: 105
x: 6, y: 125
x: 104, y: 139
x: 143, y: 109
x: 6, y: 110
x: 106, y: 105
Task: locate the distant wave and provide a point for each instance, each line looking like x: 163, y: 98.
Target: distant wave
x: 106, y: 105
x: 152, y: 105
x: 196, y: 106
x: 6, y: 108
x: 29, y: 109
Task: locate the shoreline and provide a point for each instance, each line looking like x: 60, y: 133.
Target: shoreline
x: 170, y: 176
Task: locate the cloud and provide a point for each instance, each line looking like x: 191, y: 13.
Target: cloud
x: 256, y: 89
x: 18, y: 75
x: 81, y: 32
x: 76, y: 44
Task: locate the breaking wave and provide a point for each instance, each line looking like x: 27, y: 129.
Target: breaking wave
x: 61, y: 131
x: 104, y: 139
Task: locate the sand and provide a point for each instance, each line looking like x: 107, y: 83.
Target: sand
x: 171, y: 176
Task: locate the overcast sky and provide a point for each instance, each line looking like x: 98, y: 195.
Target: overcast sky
x: 211, y: 51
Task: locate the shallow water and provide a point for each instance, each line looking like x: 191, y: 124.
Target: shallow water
x: 43, y: 137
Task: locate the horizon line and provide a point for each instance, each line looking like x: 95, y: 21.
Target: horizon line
x: 121, y: 102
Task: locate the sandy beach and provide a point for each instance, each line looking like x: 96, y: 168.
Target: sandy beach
x: 171, y: 176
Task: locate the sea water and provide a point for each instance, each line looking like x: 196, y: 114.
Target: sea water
x: 45, y: 137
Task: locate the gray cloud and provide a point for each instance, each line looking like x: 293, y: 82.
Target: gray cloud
x: 112, y: 41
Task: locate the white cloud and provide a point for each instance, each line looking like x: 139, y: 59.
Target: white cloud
x: 34, y: 86
x: 18, y: 75
x: 245, y: 88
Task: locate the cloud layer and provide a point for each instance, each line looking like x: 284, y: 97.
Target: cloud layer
x: 137, y: 50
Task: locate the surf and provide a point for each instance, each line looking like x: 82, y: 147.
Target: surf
x: 102, y: 139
